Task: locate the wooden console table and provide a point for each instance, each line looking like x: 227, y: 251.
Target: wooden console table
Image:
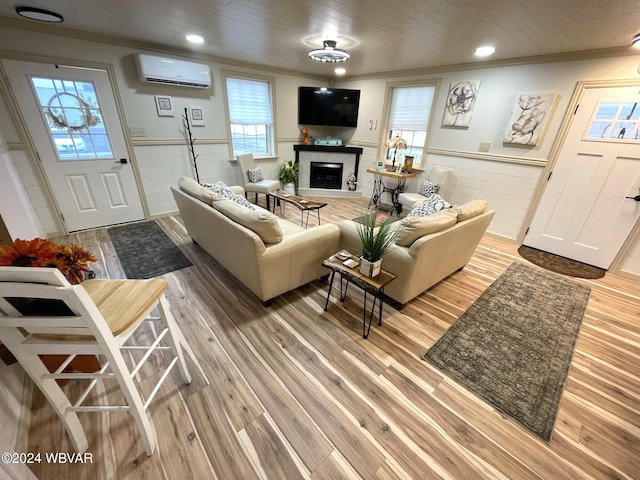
x: 379, y: 187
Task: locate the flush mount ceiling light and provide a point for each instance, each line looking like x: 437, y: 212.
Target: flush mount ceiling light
x: 484, y: 51
x: 636, y: 40
x: 329, y: 53
x: 39, y: 14
x: 340, y: 71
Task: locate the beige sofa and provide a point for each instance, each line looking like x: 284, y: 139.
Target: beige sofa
x: 269, y: 255
x: 429, y: 249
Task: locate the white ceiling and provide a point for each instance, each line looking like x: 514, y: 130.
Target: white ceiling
x: 380, y: 35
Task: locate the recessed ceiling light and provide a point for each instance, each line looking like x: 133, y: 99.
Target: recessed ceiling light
x: 194, y: 38
x: 340, y: 71
x: 39, y: 14
x: 484, y: 51
x: 636, y: 41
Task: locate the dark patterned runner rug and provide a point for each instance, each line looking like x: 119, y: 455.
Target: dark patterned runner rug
x: 558, y: 264
x: 513, y: 347
x: 145, y: 251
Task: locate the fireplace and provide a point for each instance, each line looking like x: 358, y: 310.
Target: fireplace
x: 326, y: 175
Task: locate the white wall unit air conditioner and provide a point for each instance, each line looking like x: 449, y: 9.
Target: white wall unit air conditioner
x: 173, y: 72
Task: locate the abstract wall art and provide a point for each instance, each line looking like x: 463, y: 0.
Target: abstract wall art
x: 461, y: 101
x: 529, y: 118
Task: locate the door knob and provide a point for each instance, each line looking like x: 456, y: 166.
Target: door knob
x: 636, y: 198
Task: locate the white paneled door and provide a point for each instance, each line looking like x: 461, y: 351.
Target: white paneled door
x: 73, y: 120
x: 584, y: 213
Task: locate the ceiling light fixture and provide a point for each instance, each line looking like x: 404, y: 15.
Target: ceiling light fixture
x: 39, y: 14
x: 636, y: 40
x: 484, y: 51
x: 194, y: 38
x: 329, y: 53
x: 340, y: 71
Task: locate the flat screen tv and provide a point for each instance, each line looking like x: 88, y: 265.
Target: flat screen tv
x: 336, y: 107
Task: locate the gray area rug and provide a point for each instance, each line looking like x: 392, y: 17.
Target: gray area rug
x: 513, y: 347
x: 145, y: 251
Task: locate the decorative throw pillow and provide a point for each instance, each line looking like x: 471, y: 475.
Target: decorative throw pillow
x: 224, y: 191
x: 427, y: 188
x: 434, y: 203
x: 255, y: 174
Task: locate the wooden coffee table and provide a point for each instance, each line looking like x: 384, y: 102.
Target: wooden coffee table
x: 374, y: 285
x: 304, y: 204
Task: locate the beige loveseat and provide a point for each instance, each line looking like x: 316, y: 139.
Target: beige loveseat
x: 269, y: 255
x: 429, y: 249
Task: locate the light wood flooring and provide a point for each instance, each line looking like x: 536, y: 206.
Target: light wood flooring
x: 294, y: 392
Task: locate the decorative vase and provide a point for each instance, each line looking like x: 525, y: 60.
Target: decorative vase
x: 305, y: 140
x: 290, y: 188
x: 370, y: 269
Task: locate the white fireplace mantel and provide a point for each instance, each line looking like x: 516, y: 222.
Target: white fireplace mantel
x: 349, y: 157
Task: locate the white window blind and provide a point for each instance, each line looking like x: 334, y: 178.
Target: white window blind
x: 249, y: 101
x: 410, y: 108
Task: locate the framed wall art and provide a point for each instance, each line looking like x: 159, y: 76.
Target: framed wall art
x: 164, y: 106
x: 529, y: 118
x: 461, y: 100
x: 197, y: 116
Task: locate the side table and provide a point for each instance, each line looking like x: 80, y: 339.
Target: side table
x: 374, y: 286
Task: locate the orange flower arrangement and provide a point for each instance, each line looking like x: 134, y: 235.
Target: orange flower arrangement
x: 72, y: 260
x: 306, y: 135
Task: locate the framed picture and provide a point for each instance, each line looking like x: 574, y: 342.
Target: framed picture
x: 408, y: 164
x: 529, y: 118
x: 380, y: 166
x: 197, y: 116
x: 461, y: 101
x: 164, y: 106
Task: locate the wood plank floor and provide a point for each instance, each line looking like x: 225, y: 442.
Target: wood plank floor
x: 294, y: 392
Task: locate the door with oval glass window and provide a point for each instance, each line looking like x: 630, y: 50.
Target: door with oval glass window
x: 73, y: 120
x: 589, y: 206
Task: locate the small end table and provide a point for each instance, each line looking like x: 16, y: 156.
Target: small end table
x: 374, y: 286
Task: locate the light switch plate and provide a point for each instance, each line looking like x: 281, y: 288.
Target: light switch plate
x: 485, y: 146
x: 137, y: 131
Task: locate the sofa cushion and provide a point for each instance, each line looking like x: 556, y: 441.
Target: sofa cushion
x: 262, y: 222
x: 470, y: 209
x: 255, y: 174
x: 432, y: 204
x: 193, y: 188
x: 412, y: 228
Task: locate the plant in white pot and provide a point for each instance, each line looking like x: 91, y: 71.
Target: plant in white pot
x: 376, y: 241
x: 288, y: 175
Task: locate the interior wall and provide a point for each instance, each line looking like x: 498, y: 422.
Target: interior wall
x: 507, y: 175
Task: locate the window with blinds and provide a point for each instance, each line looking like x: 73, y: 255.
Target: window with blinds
x: 409, y: 118
x: 250, y: 116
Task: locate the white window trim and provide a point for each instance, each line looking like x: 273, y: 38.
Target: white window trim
x: 272, y: 90
x: 386, y: 127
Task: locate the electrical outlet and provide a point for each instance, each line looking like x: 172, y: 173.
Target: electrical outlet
x: 485, y: 146
x: 137, y: 132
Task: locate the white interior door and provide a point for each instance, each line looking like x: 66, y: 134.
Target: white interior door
x: 72, y: 117
x: 584, y: 214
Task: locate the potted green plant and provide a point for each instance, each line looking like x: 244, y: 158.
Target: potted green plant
x: 376, y: 241
x: 288, y: 175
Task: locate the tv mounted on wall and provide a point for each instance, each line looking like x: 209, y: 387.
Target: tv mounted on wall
x: 336, y: 107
